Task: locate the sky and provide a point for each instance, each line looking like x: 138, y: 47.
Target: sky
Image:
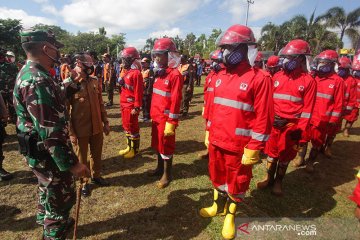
x: 141, y: 19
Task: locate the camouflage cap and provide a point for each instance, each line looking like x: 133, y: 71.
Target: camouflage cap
x: 35, y: 35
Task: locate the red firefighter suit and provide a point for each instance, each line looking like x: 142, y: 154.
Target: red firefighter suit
x: 294, y: 97
x: 350, y: 102
x: 241, y: 116
x: 209, y: 86
x: 327, y: 108
x: 165, y: 107
x: 131, y: 98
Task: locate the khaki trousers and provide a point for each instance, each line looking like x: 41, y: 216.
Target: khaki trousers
x: 96, y: 143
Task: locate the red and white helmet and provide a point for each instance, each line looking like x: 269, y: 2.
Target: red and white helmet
x: 328, y: 55
x: 167, y: 45
x: 356, y: 63
x: 296, y: 47
x: 216, y: 55
x: 130, y: 52
x: 163, y: 45
x: 273, y: 61
x: 235, y: 35
x: 344, y: 62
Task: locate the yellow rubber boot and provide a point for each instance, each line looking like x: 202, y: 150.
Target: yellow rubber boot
x: 127, y: 149
x: 217, y: 208
x: 228, y: 230
x: 134, y: 148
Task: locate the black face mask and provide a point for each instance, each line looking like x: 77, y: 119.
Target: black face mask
x: 127, y: 62
x: 88, y: 70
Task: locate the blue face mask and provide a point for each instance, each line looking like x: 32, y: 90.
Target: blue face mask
x: 290, y: 65
x: 342, y: 72
x: 216, y: 66
x: 232, y: 58
x: 324, y: 69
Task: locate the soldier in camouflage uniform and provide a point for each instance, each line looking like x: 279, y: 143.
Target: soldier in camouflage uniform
x: 4, y: 175
x: 43, y: 136
x: 8, y: 72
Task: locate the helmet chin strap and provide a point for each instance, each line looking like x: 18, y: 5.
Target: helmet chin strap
x: 54, y: 60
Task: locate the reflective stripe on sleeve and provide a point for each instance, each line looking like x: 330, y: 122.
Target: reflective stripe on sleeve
x: 305, y: 115
x: 249, y: 132
x: 171, y: 115
x: 333, y: 114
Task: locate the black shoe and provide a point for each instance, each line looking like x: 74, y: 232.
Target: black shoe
x: 184, y: 114
x: 108, y: 104
x: 85, y: 191
x: 100, y: 181
x: 4, y: 175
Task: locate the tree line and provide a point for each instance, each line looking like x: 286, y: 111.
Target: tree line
x: 325, y: 31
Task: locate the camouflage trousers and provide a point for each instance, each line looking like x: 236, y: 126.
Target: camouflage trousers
x: 56, y: 198
x: 109, y: 85
x: 186, y: 98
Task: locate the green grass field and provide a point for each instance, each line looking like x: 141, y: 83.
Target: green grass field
x: 133, y: 208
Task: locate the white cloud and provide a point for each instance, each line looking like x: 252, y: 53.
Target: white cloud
x: 40, y: 1
x: 256, y: 31
x: 122, y: 15
x: 26, y: 19
x: 261, y: 9
x: 138, y: 43
x: 51, y: 9
x: 173, y: 32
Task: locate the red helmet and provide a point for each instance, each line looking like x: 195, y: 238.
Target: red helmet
x: 356, y: 63
x: 259, y: 57
x: 130, y: 52
x: 163, y: 45
x: 296, y: 47
x: 328, y: 55
x: 216, y: 55
x: 344, y: 62
x: 273, y: 61
x: 235, y: 35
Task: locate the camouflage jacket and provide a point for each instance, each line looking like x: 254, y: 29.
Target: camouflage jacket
x: 8, y: 73
x: 40, y: 106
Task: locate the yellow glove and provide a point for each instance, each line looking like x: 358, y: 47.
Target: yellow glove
x: 206, y: 139
x: 250, y: 157
x: 169, y: 129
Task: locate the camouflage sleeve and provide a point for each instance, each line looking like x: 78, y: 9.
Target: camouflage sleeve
x: 48, y: 114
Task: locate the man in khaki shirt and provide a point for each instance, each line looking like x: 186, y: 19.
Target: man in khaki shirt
x: 108, y: 78
x: 88, y: 121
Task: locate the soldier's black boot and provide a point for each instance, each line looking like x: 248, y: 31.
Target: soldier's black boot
x: 280, y: 174
x: 166, y: 177
x: 4, y: 175
x: 271, y: 165
x: 310, y: 162
x: 159, y: 170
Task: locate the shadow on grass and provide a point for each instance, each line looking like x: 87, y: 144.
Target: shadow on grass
x: 309, y: 195
x: 178, y: 219
x: 21, y: 177
x: 355, y: 131
x: 179, y: 171
x: 8, y: 221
